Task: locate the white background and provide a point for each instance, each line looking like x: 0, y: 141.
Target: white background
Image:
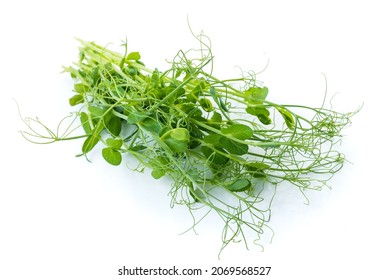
x: 64, y: 218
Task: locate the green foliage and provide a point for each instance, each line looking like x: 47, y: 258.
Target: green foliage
x: 206, y: 134
x: 240, y: 185
x: 239, y: 131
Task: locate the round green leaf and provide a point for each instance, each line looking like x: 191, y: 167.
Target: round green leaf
x: 115, y: 144
x: 256, y: 95
x: 133, y: 56
x: 181, y: 134
x: 158, y: 173
x: 112, y: 156
x: 176, y: 146
x: 239, y: 131
x: 233, y: 147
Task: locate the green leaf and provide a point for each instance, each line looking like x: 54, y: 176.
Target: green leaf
x: 81, y: 88
x: 138, y: 148
x: 256, y: 95
x: 175, y: 145
x: 216, y: 118
x: 257, y: 168
x: 89, y: 143
x: 206, y: 104
x: 112, y: 156
x: 85, y: 123
x: 95, y: 75
x: 239, y: 185
x: 239, y: 131
x: 195, y: 134
x: 201, y: 86
x: 213, y: 139
x: 233, y: 147
x: 76, y: 99
x: 114, y: 125
x: 218, y: 100
x: 114, y: 143
x: 151, y: 125
x: 187, y: 108
x: 133, y: 56
x: 134, y: 117
x: 158, y: 173
x: 221, y: 142
x: 261, y: 113
x: 155, y: 78
x: 213, y: 156
x: 96, y: 111
x: 256, y: 165
x: 288, y: 117
x: 181, y: 134
x: 132, y: 71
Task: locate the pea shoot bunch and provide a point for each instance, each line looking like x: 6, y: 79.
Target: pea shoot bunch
x: 222, y: 143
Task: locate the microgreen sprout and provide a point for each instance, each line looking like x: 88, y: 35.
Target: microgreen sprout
x: 221, y: 142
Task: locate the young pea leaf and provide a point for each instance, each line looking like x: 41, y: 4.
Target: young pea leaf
x: 132, y: 71
x: 206, y: 105
x: 133, y: 56
x: 151, y: 125
x: 201, y: 86
x: 114, y: 125
x: 288, y: 117
x: 213, y: 156
x: 239, y: 185
x: 112, y: 156
x: 76, y: 99
x: 95, y: 75
x: 180, y: 134
x: 218, y: 100
x: 134, y: 117
x: 96, y: 111
x: 177, y: 140
x: 195, y: 134
x: 256, y: 95
x: 239, y: 131
x: 81, y: 88
x: 233, y: 147
x: 261, y: 113
x: 92, y: 140
x: 89, y: 143
x: 158, y: 173
x: 176, y: 146
x: 155, y: 78
x: 216, y: 118
x: 257, y: 169
x: 213, y: 139
x: 114, y: 143
x: 257, y: 165
x: 138, y: 148
x: 85, y: 123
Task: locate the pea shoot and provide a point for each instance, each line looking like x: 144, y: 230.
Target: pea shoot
x: 221, y: 142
